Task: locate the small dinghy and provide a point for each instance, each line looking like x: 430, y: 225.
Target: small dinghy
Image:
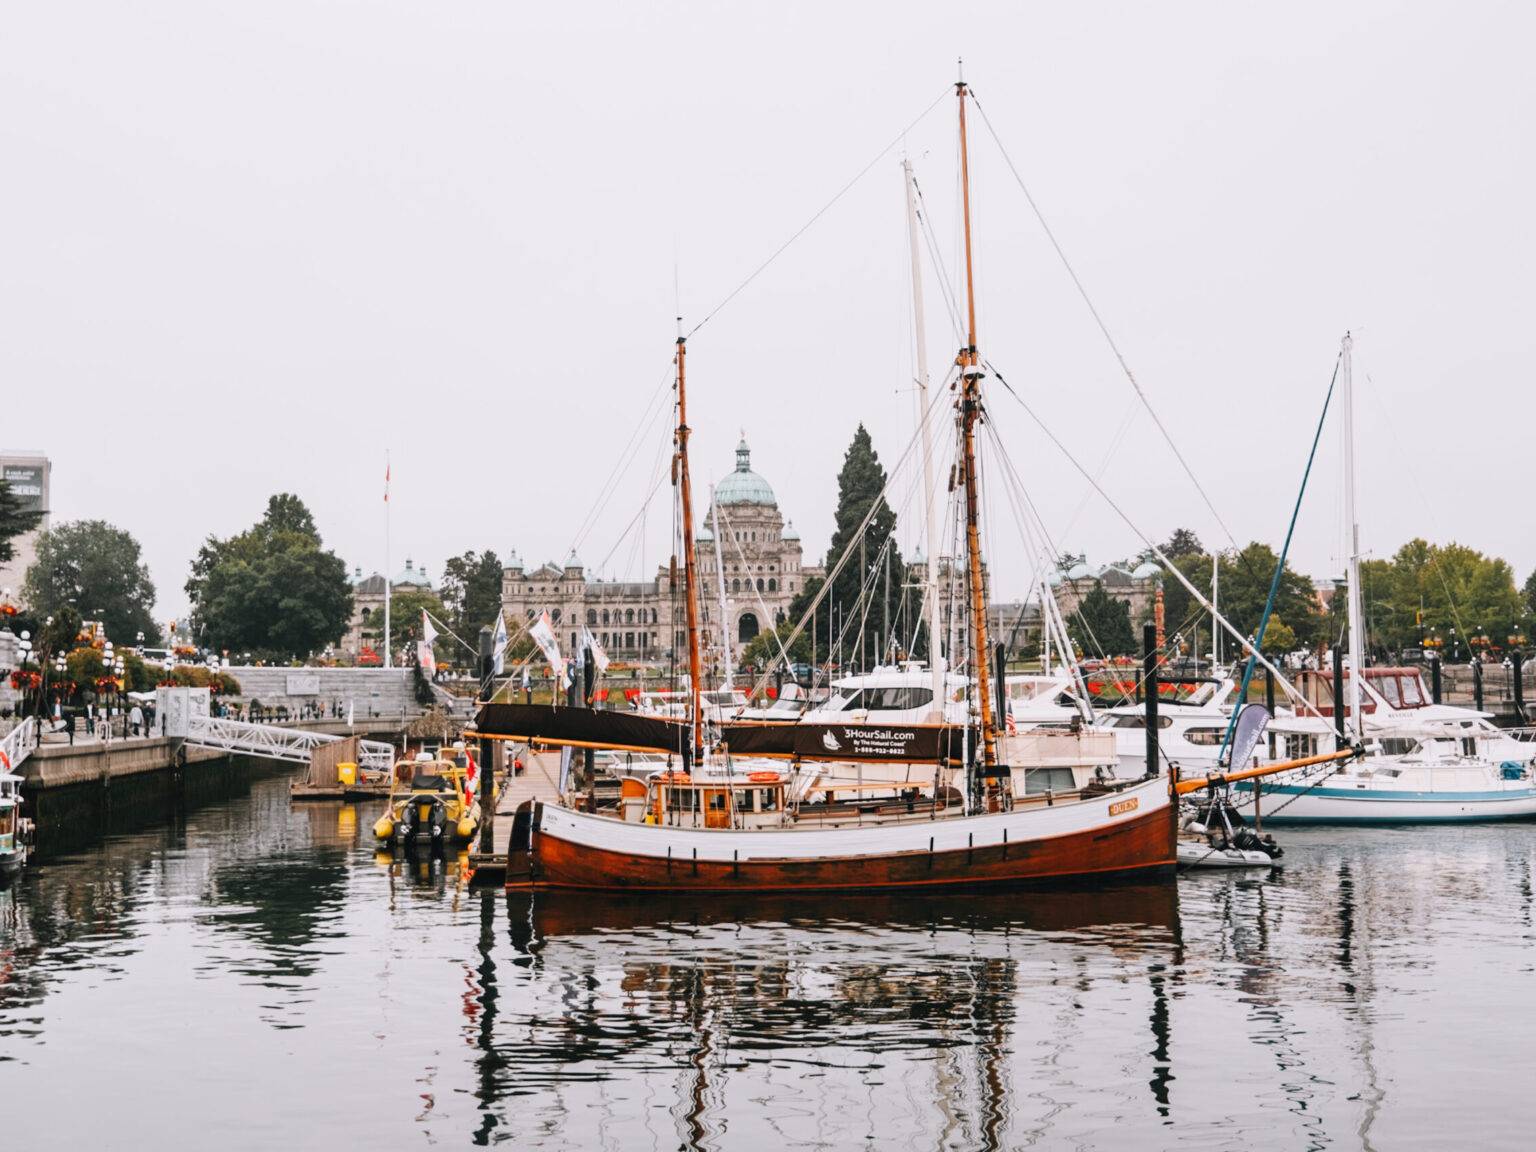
x: 1213, y: 835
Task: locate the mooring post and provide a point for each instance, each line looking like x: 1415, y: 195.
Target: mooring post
x: 1477, y: 683
x: 1269, y: 692
x: 1338, y: 694
x: 487, y: 748
x: 588, y: 683
x: 1434, y: 677
x: 1517, y: 665
x: 1149, y: 688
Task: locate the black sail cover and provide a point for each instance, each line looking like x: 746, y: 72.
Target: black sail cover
x: 630, y: 731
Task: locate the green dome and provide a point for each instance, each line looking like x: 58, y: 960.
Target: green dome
x: 744, y: 486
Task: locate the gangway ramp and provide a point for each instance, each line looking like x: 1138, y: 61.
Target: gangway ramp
x: 275, y: 742
x: 17, y: 745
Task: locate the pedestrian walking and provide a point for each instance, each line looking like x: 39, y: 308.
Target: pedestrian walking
x: 136, y: 719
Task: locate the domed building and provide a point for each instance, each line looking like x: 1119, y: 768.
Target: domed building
x: 366, y: 628
x: 757, y: 553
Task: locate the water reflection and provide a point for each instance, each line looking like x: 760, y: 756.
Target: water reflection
x: 211, y: 952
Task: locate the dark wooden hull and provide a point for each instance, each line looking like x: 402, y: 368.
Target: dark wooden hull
x: 1136, y: 847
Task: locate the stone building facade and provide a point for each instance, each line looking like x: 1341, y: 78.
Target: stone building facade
x: 1136, y: 586
x: 758, y: 553
x: 366, y: 628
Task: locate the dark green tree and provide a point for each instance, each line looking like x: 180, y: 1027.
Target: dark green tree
x: 273, y: 590
x: 471, y: 593
x: 14, y: 521
x: 860, y: 485
x: 1183, y: 542
x: 1529, y: 592
x: 405, y: 608
x: 97, y: 570
x: 1102, y: 625
x: 1245, y: 580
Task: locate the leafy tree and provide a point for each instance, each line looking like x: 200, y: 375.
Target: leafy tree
x: 1529, y: 592
x: 472, y: 592
x: 1102, y: 624
x: 14, y: 521
x: 405, y: 608
x: 1245, y: 581
x: 272, y: 590
x: 1181, y: 611
x: 97, y: 570
x: 1430, y: 588
x: 860, y: 485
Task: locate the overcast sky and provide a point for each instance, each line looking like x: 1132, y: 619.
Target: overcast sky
x: 248, y: 247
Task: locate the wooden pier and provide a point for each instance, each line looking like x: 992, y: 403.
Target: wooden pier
x: 539, y: 780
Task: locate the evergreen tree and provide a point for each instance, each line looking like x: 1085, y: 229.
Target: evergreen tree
x: 273, y: 590
x: 14, y: 521
x: 472, y: 592
x: 1102, y: 624
x: 860, y: 485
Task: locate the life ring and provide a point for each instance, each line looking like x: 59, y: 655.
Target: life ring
x: 675, y: 778
x: 763, y: 777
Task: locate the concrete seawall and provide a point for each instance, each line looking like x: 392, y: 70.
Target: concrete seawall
x: 60, y: 765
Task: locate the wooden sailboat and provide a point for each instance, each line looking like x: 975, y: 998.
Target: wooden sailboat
x: 719, y: 826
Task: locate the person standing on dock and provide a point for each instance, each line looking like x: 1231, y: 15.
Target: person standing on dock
x: 136, y: 719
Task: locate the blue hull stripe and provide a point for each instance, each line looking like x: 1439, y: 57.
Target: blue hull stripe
x: 1392, y: 796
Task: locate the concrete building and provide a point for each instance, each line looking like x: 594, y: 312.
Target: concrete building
x: 29, y: 475
x: 644, y: 621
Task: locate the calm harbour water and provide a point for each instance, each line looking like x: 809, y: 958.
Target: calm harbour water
x: 221, y: 969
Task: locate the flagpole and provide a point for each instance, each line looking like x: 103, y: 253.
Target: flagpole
x: 387, y: 659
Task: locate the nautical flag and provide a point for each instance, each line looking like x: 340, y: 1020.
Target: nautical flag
x: 544, y: 636
x: 1013, y: 728
x: 599, y: 657
x: 386, y: 477
x: 499, y: 644
x: 428, y: 633
x: 424, y: 657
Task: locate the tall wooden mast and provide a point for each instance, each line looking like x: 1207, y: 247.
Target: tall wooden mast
x: 690, y: 574
x: 970, y: 411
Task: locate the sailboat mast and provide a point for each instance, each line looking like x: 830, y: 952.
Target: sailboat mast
x: 1352, y: 519
x: 970, y: 412
x: 690, y: 572
x: 725, y: 631
x: 931, y: 591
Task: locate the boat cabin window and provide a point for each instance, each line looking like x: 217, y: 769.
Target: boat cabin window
x: 1397, y: 745
x: 1387, y: 686
x: 1205, y: 736
x: 1041, y: 780
x: 1141, y: 721
x: 1413, y: 691
x: 768, y: 800
x: 682, y: 799
x: 717, y: 802
x: 890, y: 699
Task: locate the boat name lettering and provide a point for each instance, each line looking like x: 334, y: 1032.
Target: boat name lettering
x: 1120, y: 806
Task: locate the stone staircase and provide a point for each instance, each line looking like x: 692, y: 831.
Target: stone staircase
x: 371, y: 692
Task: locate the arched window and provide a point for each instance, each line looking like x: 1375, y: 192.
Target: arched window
x: 530, y: 613
x: 366, y: 612
x: 735, y: 585
x: 773, y: 585
x: 629, y: 617
x: 747, y: 628
x: 759, y: 583
x: 555, y: 615
x: 653, y: 621
x: 605, y: 615
x: 591, y: 615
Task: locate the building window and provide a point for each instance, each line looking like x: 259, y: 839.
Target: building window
x: 653, y: 620
x: 747, y: 629
x: 366, y: 611
x: 555, y: 615
x: 605, y: 615
x: 759, y: 583
x: 629, y: 639
x: 773, y: 585
x: 591, y: 616
x: 735, y: 585
x: 629, y: 616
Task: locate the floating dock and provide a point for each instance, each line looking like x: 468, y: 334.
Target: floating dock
x: 539, y: 780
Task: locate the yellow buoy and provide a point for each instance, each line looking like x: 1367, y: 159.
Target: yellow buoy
x: 466, y: 828
x: 384, y: 828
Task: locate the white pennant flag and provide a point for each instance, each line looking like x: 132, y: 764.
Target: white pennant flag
x: 428, y: 633
x: 424, y: 656
x: 544, y: 636
x: 599, y: 657
x: 499, y: 644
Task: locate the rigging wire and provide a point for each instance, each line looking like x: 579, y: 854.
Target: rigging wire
x: 1099, y: 320
x: 822, y: 211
